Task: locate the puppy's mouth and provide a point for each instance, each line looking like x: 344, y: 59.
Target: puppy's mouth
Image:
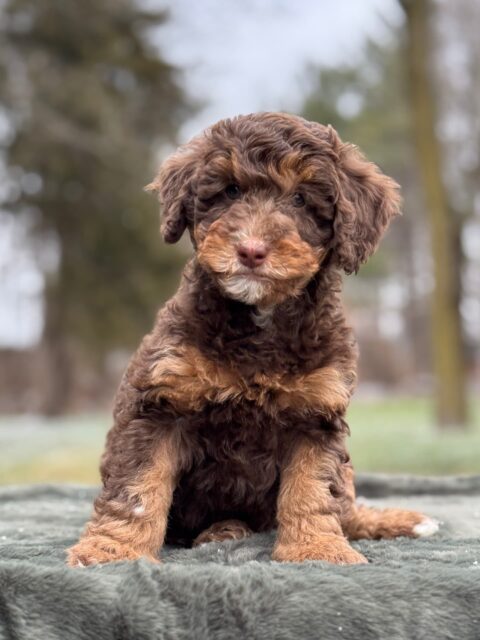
x: 251, y: 274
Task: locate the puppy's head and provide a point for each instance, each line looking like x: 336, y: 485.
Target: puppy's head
x: 267, y: 197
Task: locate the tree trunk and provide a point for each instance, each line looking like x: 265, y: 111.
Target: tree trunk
x: 59, y: 365
x: 448, y: 354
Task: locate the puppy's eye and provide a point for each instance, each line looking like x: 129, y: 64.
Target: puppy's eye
x: 233, y: 191
x: 298, y: 200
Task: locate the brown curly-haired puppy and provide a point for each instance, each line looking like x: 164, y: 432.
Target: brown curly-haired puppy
x: 230, y: 416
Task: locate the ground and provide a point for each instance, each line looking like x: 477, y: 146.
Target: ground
x: 394, y: 435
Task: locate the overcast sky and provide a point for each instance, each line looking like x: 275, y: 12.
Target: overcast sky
x: 246, y: 55
x: 239, y: 56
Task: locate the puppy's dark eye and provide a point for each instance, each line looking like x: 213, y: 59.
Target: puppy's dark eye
x: 298, y: 200
x: 233, y: 191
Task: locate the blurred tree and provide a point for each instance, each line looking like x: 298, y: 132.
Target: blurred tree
x: 86, y: 97
x: 385, y: 105
x: 448, y: 352
x: 367, y: 104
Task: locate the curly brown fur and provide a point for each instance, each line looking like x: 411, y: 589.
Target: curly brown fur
x: 232, y: 409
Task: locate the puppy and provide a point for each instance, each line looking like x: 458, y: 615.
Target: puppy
x: 230, y: 418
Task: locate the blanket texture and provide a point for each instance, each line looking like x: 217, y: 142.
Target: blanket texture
x: 411, y: 588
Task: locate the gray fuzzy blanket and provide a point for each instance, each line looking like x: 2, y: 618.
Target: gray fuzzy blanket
x: 411, y: 588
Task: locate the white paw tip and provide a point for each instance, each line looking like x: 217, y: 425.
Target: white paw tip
x: 80, y: 564
x: 426, y: 528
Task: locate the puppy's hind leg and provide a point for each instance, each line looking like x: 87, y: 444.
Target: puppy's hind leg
x: 225, y: 530
x: 361, y: 521
x: 367, y: 522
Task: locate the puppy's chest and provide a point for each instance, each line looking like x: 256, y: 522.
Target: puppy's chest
x: 190, y: 381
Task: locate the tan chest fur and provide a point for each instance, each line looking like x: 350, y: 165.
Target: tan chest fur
x: 187, y: 379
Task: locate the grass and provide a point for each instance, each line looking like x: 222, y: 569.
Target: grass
x: 397, y: 435
x: 61, y: 450
x: 393, y: 435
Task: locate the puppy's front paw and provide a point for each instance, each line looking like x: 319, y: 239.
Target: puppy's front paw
x: 334, y: 549
x: 102, y: 549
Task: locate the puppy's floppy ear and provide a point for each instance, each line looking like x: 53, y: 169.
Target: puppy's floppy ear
x: 367, y: 200
x: 173, y: 184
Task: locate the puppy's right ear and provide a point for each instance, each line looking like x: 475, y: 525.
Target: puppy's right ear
x: 173, y: 184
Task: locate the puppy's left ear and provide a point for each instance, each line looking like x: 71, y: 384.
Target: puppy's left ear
x: 367, y: 200
x: 173, y: 184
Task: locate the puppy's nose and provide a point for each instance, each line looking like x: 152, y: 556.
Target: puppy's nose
x: 252, y: 253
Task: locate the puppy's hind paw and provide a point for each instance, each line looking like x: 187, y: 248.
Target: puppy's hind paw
x: 426, y: 528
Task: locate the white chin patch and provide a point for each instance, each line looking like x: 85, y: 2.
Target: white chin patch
x: 244, y: 289
x: 425, y: 528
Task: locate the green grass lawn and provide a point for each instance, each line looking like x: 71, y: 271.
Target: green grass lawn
x: 397, y: 435
x: 394, y: 435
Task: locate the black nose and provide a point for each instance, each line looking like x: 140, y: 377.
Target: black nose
x: 252, y: 253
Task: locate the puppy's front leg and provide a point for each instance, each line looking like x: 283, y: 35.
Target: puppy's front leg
x: 307, y: 513
x: 130, y: 515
